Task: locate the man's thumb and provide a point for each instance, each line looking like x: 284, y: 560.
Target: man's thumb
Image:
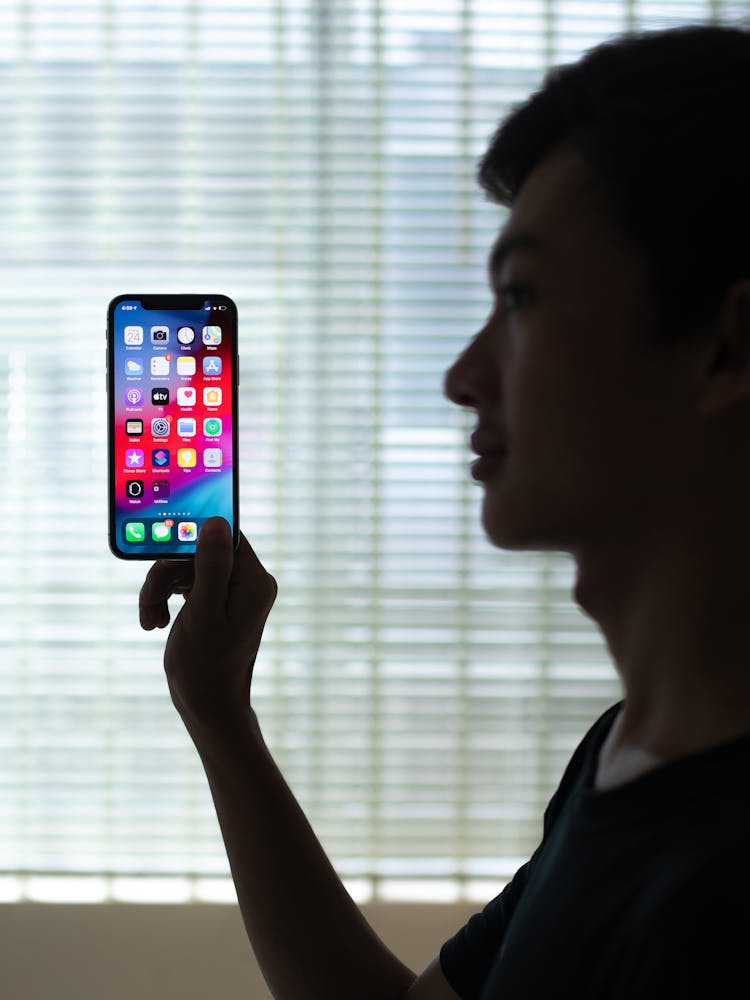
x: 214, y: 557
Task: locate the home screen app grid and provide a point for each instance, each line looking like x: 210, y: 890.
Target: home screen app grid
x: 173, y: 384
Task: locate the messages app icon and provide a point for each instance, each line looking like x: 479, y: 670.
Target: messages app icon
x: 161, y: 531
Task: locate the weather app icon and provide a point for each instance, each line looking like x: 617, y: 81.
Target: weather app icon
x: 133, y: 367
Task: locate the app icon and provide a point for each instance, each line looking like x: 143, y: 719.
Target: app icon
x: 134, y: 488
x: 134, y: 427
x: 186, y: 365
x: 161, y: 531
x: 186, y: 426
x: 133, y: 335
x: 160, y: 396
x: 212, y: 396
x: 187, y: 531
x: 212, y: 365
x: 160, y: 489
x: 134, y: 396
x: 212, y: 458
x: 134, y: 458
x: 160, y: 335
x: 212, y: 426
x: 135, y: 531
x: 186, y: 396
x: 160, y: 427
x: 186, y: 335
x: 160, y: 457
x: 186, y: 458
x: 133, y: 366
x: 159, y: 365
x: 212, y: 335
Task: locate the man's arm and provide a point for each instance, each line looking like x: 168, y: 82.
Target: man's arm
x: 309, y: 937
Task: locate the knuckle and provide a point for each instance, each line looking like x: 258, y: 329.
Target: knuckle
x: 271, y: 590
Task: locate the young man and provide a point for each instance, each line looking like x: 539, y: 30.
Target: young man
x: 611, y: 387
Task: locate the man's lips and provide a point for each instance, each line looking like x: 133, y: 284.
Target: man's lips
x: 485, y: 444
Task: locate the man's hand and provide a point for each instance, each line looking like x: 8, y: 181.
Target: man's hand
x: 211, y: 650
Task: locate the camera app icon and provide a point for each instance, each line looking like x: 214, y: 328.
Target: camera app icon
x: 160, y: 335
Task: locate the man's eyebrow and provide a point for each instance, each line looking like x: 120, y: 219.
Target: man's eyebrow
x: 505, y: 245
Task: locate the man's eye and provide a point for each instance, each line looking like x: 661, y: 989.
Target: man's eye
x: 514, y: 295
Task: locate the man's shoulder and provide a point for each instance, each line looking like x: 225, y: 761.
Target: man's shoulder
x: 581, y: 766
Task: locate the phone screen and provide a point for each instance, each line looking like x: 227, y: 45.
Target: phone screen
x: 172, y: 376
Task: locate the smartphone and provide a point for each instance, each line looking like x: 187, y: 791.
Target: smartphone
x: 172, y: 378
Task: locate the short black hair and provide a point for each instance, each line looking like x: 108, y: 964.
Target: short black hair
x: 663, y: 120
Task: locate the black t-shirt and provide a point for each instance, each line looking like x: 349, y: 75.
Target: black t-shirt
x: 640, y: 892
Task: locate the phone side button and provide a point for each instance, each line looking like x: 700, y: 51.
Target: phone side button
x: 238, y: 370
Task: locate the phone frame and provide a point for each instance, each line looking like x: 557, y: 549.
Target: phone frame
x: 151, y: 301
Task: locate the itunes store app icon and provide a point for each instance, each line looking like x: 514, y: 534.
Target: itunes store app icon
x: 134, y: 396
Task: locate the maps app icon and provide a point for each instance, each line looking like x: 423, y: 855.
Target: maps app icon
x: 212, y: 335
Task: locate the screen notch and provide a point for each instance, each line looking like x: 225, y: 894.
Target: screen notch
x: 162, y: 302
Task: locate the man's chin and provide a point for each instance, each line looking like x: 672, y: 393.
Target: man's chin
x: 516, y: 531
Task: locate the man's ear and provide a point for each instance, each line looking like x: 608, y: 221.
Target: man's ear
x: 725, y: 378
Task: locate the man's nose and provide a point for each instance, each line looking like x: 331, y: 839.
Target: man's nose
x: 466, y: 379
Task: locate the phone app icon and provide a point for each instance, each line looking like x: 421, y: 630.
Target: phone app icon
x: 135, y: 531
x: 134, y: 458
x: 134, y: 488
x: 133, y: 366
x: 159, y: 365
x: 133, y: 335
x: 212, y: 365
x: 133, y: 396
x: 161, y: 531
x: 160, y: 427
x: 187, y: 531
x: 186, y: 365
x: 134, y: 427
x: 212, y: 426
x: 212, y: 335
x: 212, y: 458
x: 160, y: 457
x: 186, y: 396
x: 186, y: 458
x: 186, y: 426
x: 212, y: 396
x: 160, y: 396
x: 186, y: 335
x: 160, y: 489
x: 160, y: 335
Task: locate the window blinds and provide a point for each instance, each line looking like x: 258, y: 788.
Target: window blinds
x: 314, y: 159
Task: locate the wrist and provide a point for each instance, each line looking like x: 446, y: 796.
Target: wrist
x: 219, y: 733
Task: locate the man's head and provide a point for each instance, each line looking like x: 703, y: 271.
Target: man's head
x: 598, y: 375
x: 662, y: 119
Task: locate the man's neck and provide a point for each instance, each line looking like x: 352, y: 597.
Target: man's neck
x: 676, y: 626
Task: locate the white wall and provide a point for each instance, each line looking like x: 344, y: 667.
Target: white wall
x: 192, y: 952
